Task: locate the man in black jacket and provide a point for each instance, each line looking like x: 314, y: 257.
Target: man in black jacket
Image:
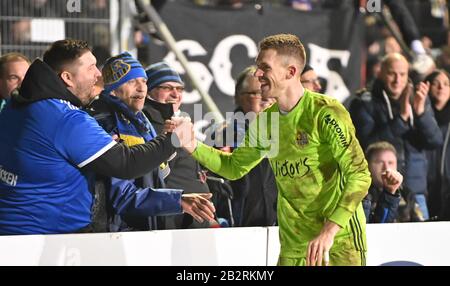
x: 164, y: 95
x: 387, y: 200
x: 381, y: 203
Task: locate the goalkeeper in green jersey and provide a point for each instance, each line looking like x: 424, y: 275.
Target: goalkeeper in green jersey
x: 320, y: 169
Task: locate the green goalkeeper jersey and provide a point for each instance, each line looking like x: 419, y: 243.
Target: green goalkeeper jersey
x: 319, y: 166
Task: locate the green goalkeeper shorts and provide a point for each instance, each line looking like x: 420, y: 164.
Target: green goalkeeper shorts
x: 341, y: 257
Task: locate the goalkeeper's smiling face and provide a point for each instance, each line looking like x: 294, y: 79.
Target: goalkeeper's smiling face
x: 272, y: 72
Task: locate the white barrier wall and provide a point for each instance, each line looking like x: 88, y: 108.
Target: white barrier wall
x: 397, y: 244
x: 422, y: 243
x: 232, y: 246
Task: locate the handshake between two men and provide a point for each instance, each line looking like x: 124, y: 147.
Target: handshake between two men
x: 195, y: 204
x: 182, y: 131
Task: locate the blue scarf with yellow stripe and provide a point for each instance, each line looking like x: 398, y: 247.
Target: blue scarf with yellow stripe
x: 133, y: 128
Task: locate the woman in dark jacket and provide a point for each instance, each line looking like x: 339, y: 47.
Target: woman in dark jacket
x: 439, y: 159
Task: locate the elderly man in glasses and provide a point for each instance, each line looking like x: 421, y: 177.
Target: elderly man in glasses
x: 164, y: 96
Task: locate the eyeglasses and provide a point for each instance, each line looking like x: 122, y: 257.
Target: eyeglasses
x: 251, y: 93
x: 168, y: 88
x: 312, y: 81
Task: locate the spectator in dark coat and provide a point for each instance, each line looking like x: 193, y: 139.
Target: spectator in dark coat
x: 391, y: 112
x: 388, y: 201
x: 255, y: 194
x: 164, y: 95
x: 439, y: 159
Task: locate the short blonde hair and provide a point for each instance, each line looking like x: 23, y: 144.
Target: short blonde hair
x: 287, y: 45
x: 11, y: 57
x: 377, y: 147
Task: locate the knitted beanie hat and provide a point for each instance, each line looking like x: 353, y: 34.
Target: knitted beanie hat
x: 120, y: 69
x: 159, y: 73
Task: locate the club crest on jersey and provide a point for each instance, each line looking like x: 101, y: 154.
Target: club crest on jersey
x: 301, y: 138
